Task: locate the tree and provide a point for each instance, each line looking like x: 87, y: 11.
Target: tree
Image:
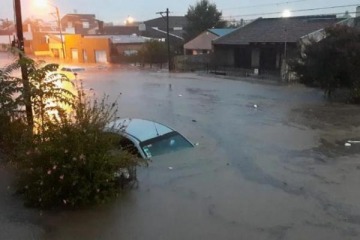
x: 332, y: 63
x: 201, y: 17
x: 153, y: 52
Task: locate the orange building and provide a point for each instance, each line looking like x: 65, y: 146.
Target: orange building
x: 87, y: 49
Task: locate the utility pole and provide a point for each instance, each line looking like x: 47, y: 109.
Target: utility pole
x: 167, y: 35
x: 61, y: 35
x: 24, y: 71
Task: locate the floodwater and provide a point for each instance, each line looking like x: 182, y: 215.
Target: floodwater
x: 270, y: 164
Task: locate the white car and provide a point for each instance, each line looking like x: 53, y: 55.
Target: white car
x: 149, y: 138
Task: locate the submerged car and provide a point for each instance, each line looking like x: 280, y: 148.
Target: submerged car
x: 147, y: 137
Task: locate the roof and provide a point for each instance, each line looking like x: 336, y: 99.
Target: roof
x: 156, y: 28
x: 77, y: 16
x: 121, y: 30
x: 140, y: 129
x: 202, y: 41
x: 276, y: 30
x: 121, y: 39
x: 174, y: 21
x: 221, y: 31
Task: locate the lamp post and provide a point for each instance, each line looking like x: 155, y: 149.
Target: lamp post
x: 24, y: 70
x: 60, y: 29
x: 43, y: 3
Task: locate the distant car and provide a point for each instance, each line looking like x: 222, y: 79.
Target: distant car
x: 147, y: 137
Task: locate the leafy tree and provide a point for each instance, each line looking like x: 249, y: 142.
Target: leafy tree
x: 202, y: 16
x: 331, y: 63
x: 153, y: 52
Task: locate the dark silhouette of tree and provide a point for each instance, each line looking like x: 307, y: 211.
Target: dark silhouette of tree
x: 331, y: 63
x: 202, y: 16
x: 153, y: 52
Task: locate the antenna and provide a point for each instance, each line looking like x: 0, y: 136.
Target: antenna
x: 157, y: 133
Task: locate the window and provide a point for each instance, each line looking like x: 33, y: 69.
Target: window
x: 86, y: 25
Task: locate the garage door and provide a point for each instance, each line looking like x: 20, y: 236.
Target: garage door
x: 100, y: 56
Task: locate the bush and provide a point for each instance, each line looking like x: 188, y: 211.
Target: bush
x: 65, y: 159
x: 332, y: 63
x: 72, y: 162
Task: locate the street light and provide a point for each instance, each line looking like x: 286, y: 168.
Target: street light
x: 43, y: 3
x: 61, y: 35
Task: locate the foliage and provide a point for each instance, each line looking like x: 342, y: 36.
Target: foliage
x: 11, y: 126
x: 68, y: 160
x: 202, y: 16
x: 333, y: 62
x: 73, y: 162
x: 153, y: 52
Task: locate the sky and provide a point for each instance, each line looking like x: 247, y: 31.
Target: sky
x: 117, y: 11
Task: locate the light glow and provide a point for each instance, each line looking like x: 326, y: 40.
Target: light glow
x: 41, y: 3
x: 286, y: 13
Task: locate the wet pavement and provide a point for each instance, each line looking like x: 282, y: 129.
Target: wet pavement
x: 270, y: 164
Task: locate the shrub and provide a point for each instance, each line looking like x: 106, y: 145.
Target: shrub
x: 73, y: 162
x: 65, y: 160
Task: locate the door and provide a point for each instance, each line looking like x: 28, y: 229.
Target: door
x: 100, y: 56
x: 74, y: 54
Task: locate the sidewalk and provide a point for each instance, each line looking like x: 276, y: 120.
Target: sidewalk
x: 16, y: 221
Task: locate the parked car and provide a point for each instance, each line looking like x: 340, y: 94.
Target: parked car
x: 148, y: 138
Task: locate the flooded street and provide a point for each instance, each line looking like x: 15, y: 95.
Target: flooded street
x: 270, y: 164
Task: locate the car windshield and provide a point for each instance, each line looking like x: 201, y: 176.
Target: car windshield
x: 169, y: 142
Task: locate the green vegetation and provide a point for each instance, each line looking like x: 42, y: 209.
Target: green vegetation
x: 333, y: 63
x: 201, y: 17
x: 153, y: 52
x: 66, y: 160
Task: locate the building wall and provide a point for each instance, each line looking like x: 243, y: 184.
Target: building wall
x: 123, y: 49
x: 86, y: 48
x: 224, y: 55
x: 37, y: 44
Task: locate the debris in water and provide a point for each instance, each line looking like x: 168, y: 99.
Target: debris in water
x: 170, y: 168
x: 347, y: 144
x: 180, y: 95
x: 255, y: 106
x: 194, y: 120
x: 197, y: 144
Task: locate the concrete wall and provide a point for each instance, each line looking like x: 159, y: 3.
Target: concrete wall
x: 88, y: 45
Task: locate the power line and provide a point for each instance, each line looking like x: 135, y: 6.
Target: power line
x: 264, y: 5
x: 298, y: 10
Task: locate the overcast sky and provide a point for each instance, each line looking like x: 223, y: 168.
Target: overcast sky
x: 118, y: 10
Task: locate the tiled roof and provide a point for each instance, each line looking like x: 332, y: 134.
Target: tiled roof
x: 221, y: 31
x: 275, y: 30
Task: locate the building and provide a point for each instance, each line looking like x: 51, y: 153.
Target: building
x: 87, y: 49
x: 81, y: 24
x: 264, y: 45
x: 202, y: 44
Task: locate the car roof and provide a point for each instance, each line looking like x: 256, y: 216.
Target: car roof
x: 71, y: 68
x: 139, y: 129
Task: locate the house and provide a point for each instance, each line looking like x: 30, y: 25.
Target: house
x: 6, y: 37
x: 127, y: 45
x: 157, y: 29
x: 202, y: 44
x: 264, y: 45
x: 87, y: 49
x: 81, y: 24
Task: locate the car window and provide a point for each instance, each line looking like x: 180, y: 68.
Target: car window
x: 164, y: 144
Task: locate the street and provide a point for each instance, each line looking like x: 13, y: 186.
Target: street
x: 270, y: 163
